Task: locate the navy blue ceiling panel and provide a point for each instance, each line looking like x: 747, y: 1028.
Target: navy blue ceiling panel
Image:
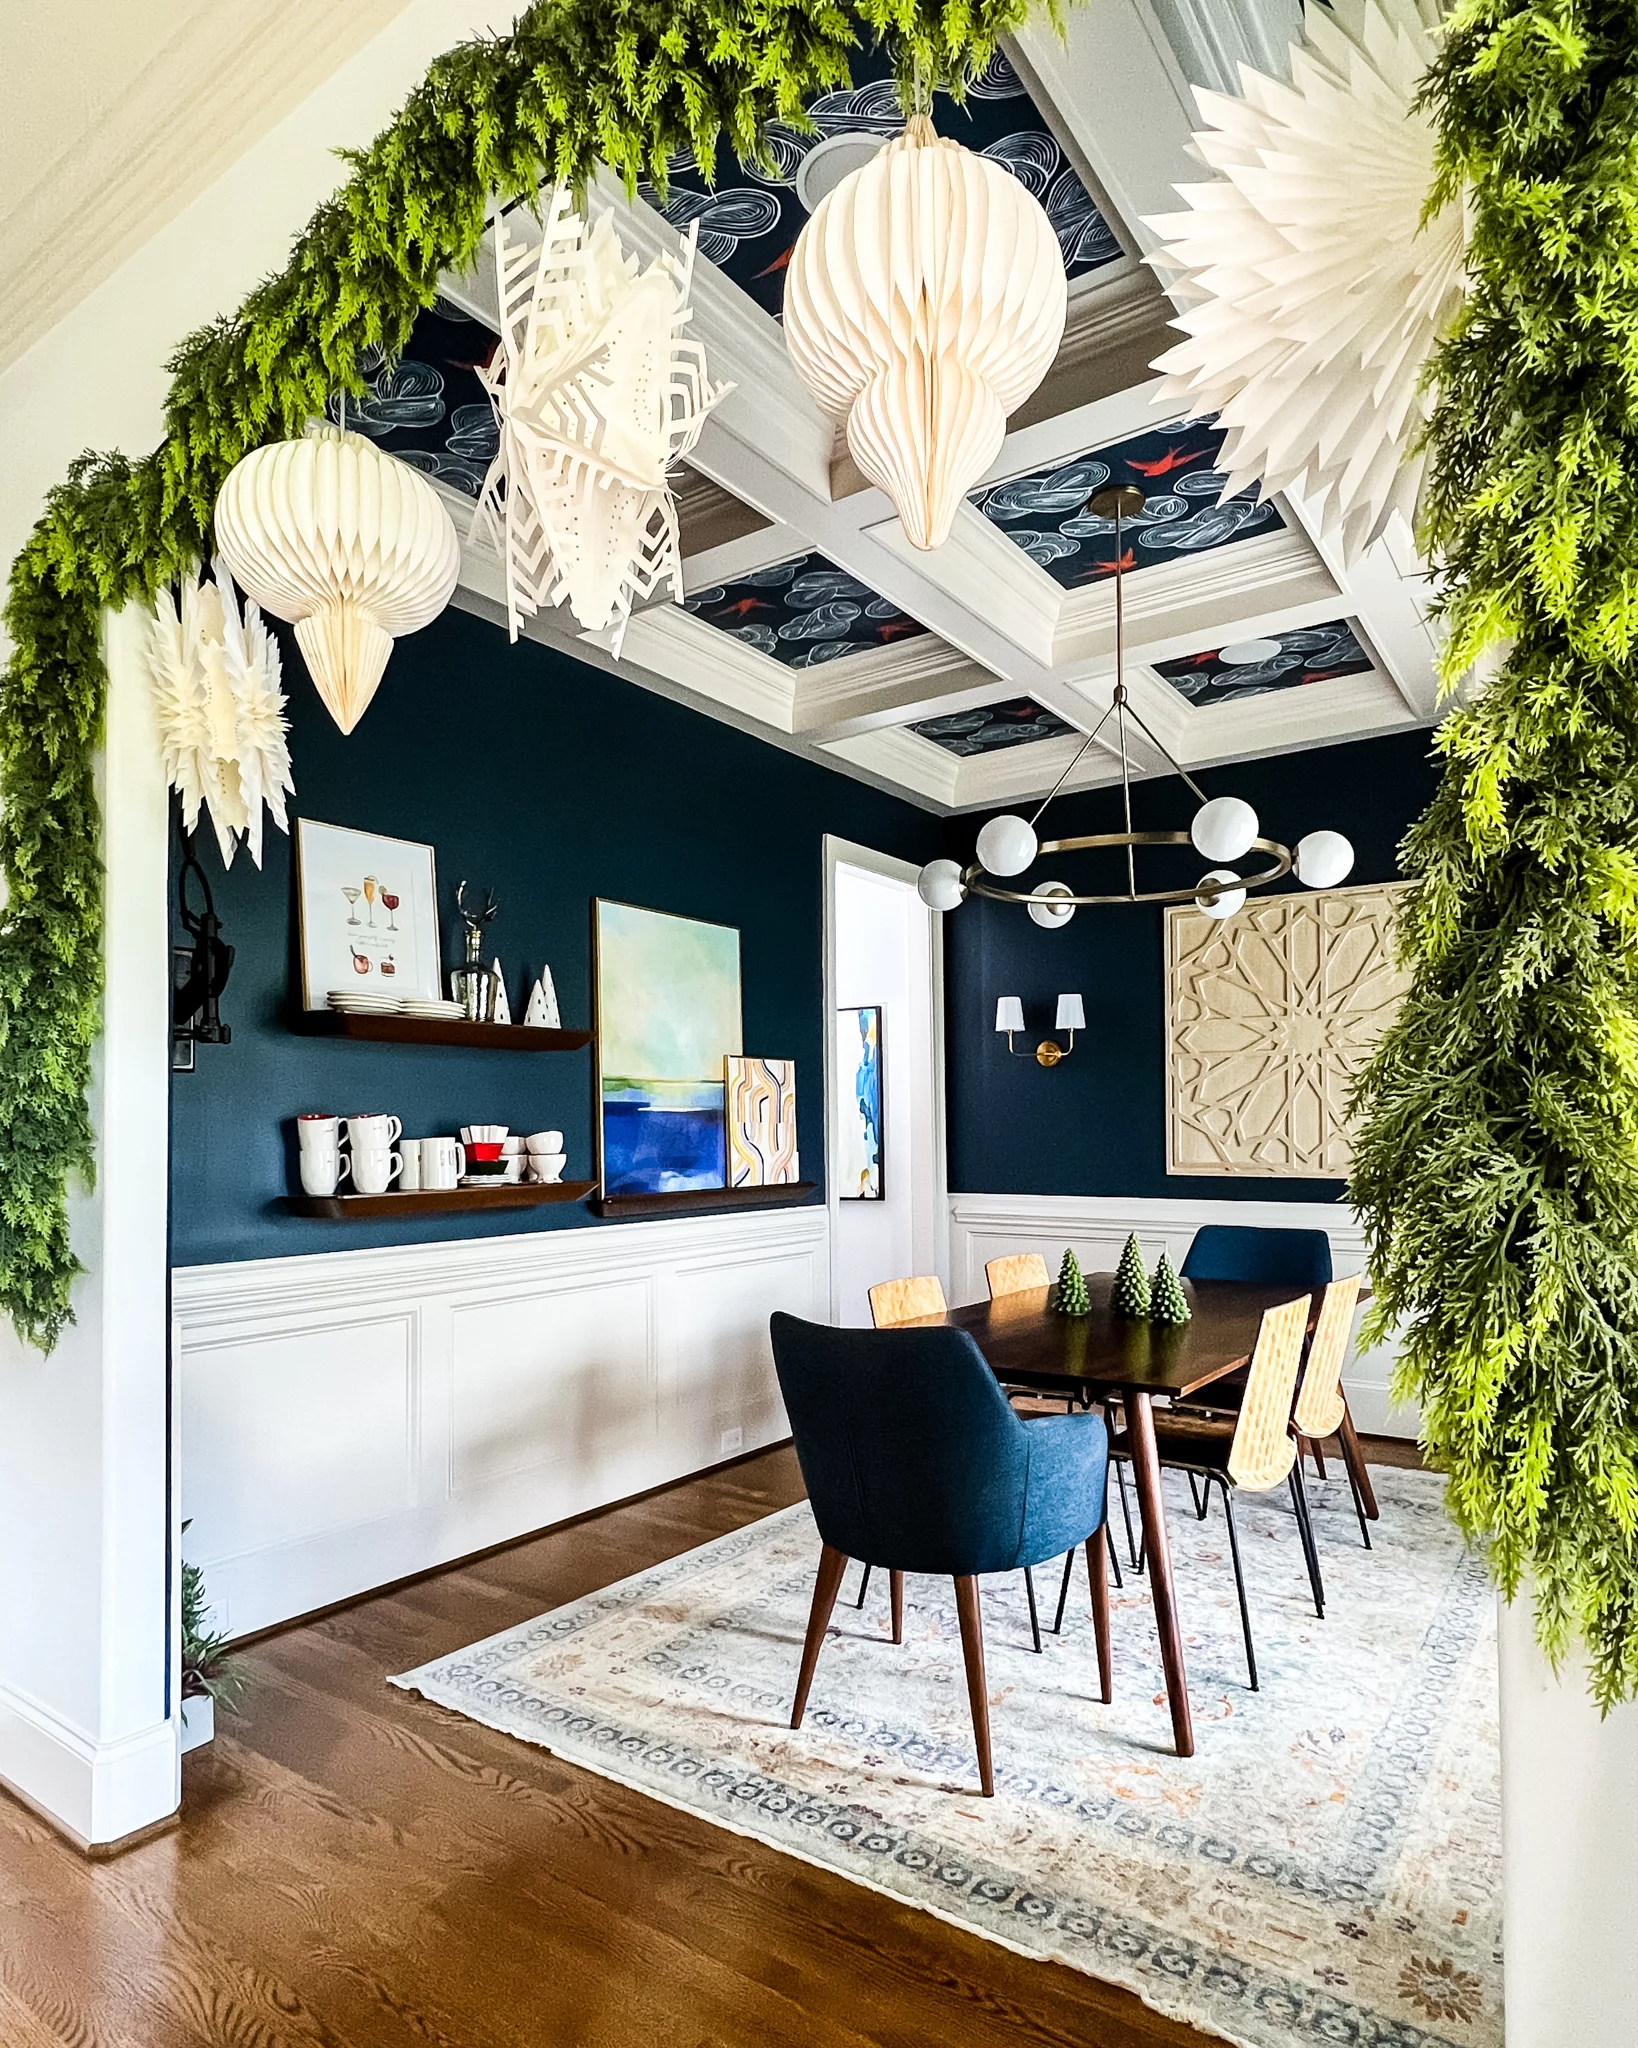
x: 1174, y: 467
x: 802, y: 613
x: 749, y: 223
x: 1308, y: 654
x: 428, y: 408
x: 992, y: 727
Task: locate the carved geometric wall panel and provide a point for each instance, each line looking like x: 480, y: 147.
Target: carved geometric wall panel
x: 1269, y: 1014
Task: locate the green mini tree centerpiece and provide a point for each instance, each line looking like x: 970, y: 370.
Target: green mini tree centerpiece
x: 1167, y: 1301
x: 1072, y: 1298
x: 1130, y: 1294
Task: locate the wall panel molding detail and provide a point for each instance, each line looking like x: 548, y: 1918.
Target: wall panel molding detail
x: 1269, y: 1014
x: 986, y: 1227
x: 350, y: 1418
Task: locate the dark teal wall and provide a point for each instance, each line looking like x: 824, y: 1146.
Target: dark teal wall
x: 1095, y: 1124
x: 551, y: 783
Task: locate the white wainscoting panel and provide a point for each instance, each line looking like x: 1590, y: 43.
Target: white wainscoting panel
x: 353, y: 1417
x: 984, y: 1227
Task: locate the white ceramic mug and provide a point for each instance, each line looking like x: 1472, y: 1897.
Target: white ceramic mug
x: 443, y: 1162
x: 545, y: 1141
x: 374, y: 1168
x: 315, y: 1128
x: 323, y: 1168
x: 410, y: 1178
x: 373, y: 1133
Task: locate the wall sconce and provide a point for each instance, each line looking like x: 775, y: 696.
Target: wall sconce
x: 1009, y: 1017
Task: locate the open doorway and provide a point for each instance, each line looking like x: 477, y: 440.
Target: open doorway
x: 883, y: 953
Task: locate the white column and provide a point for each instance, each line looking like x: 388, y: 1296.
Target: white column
x: 1569, y: 1851
x: 87, y: 1691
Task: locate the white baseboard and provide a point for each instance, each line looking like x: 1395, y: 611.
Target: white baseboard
x: 351, y: 1418
x: 984, y: 1227
x: 93, y: 1792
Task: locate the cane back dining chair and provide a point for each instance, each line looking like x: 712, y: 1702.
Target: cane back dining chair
x: 1250, y: 1451
x: 915, y: 1461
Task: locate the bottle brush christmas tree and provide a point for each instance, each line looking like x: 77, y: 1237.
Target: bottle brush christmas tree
x: 1072, y: 1299
x: 1167, y: 1301
x: 1130, y: 1294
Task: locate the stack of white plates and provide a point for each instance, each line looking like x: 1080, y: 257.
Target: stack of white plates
x: 365, y: 1003
x: 431, y: 1006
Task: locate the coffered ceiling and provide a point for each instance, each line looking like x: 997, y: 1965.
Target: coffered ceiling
x: 969, y: 676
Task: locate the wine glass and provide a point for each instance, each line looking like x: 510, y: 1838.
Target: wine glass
x: 370, y: 887
x: 390, y: 903
x: 352, y: 898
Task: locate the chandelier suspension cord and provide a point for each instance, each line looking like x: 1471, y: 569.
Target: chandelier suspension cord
x: 1120, y: 703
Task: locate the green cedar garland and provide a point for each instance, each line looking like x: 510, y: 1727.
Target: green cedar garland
x: 625, y: 82
x: 1071, y: 1298
x: 1129, y: 1296
x: 1167, y: 1301
x: 1497, y: 1163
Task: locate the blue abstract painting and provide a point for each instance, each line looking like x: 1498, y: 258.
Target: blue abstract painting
x: 859, y: 1078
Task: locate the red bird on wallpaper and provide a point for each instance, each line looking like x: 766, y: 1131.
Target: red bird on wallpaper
x: 746, y: 604
x: 1127, y: 561
x: 1174, y: 458
x: 779, y: 262
x: 895, y: 626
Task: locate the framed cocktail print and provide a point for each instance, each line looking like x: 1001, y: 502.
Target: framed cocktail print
x: 859, y: 1082
x: 368, y: 908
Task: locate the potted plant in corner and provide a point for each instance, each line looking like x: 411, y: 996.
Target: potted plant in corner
x: 208, y: 1674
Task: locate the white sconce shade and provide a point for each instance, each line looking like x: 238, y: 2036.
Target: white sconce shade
x: 1323, y: 860
x: 1227, y: 902
x: 939, y: 885
x: 1048, y: 909
x: 1071, y: 1014
x: 1224, y: 828
x: 1007, y: 845
x: 1009, y: 1013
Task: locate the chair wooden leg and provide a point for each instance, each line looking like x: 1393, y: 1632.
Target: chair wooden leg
x: 1239, y: 1583
x: 864, y: 1587
x: 1034, y: 1616
x: 895, y: 1581
x: 1097, y: 1557
x: 1353, y: 1456
x: 826, y: 1586
x: 1319, y: 1455
x: 1063, y: 1594
x: 972, y: 1650
x: 1310, y: 1550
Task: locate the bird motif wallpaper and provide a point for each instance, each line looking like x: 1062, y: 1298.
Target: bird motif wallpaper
x: 1175, y: 467
x: 991, y: 728
x: 750, y: 216
x: 428, y: 408
x: 802, y: 613
x: 1307, y: 654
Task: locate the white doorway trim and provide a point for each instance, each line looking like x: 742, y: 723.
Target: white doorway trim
x: 847, y: 853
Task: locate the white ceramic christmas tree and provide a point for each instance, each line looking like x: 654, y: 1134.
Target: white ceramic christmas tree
x: 542, y: 1011
x: 502, y: 1013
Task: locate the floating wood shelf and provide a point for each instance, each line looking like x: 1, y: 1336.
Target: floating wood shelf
x: 439, y: 1031
x: 402, y: 1207
x: 616, y: 1206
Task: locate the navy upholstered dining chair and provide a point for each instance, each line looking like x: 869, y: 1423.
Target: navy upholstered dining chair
x: 1272, y: 1258
x: 915, y: 1461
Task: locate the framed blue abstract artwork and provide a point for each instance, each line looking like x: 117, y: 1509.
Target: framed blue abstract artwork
x: 859, y: 1080
x: 668, y: 1016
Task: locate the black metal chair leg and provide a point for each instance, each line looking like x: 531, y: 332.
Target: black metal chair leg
x: 1034, y: 1618
x: 1112, y: 1550
x: 1239, y: 1582
x: 864, y: 1587
x: 1305, y: 1528
x: 1063, y: 1594
x: 1359, y: 1505
x: 1126, y: 1515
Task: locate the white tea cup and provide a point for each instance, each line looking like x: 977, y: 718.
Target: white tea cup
x: 323, y: 1168
x: 374, y: 1169
x: 512, y: 1168
x: 410, y: 1178
x: 373, y: 1133
x: 548, y: 1166
x: 315, y: 1128
x: 443, y: 1162
x: 545, y: 1141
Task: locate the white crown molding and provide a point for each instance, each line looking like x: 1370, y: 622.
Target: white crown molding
x: 1021, y: 603
x: 904, y: 758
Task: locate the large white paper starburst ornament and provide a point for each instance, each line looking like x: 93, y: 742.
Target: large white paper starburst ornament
x: 216, y: 680
x: 597, y: 394
x: 1312, y: 294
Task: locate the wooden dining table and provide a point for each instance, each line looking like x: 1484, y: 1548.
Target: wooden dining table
x: 1101, y: 1354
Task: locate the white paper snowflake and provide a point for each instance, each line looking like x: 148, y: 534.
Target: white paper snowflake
x: 216, y: 680
x: 1312, y: 294
x: 597, y: 395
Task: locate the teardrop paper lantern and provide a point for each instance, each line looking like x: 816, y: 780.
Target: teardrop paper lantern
x: 350, y: 546
x: 925, y: 301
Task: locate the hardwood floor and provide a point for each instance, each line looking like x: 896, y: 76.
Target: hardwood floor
x: 357, y: 1868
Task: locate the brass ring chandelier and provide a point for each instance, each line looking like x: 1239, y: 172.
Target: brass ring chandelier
x: 1224, y: 829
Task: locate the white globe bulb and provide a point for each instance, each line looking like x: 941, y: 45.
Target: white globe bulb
x: 939, y: 885
x: 1047, y: 908
x: 1007, y: 845
x: 1224, y: 828
x: 1323, y: 859
x: 1226, y: 904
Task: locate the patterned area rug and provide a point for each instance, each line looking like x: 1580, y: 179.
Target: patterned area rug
x: 1325, y: 1869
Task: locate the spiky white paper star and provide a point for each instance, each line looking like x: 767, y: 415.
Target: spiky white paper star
x: 1313, y: 296
x: 597, y: 395
x: 216, y: 680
